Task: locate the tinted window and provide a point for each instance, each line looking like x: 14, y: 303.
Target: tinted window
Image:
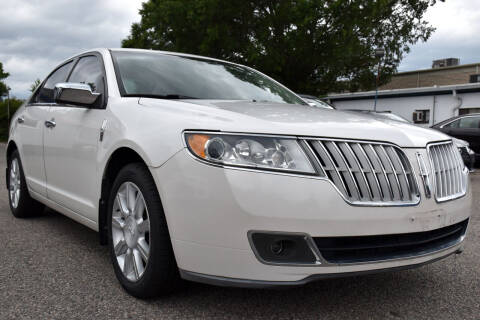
x: 470, y: 123
x: 453, y: 124
x: 156, y: 74
x: 89, y: 70
x: 45, y: 94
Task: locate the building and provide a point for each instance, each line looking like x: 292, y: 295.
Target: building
x: 424, y: 106
x: 444, y: 72
x: 424, y: 97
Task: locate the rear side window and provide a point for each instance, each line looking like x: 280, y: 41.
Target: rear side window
x: 45, y: 94
x: 453, y: 124
x: 89, y: 71
x: 470, y: 123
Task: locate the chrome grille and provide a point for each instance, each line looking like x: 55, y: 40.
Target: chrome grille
x: 448, y: 171
x: 367, y: 173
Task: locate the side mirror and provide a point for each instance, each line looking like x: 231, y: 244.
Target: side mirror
x: 75, y: 93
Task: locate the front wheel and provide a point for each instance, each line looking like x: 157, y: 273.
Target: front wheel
x: 139, y: 241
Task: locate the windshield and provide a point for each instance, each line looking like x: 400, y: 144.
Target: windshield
x: 319, y: 103
x: 153, y: 74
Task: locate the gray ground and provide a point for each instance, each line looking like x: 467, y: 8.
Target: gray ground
x: 53, y: 268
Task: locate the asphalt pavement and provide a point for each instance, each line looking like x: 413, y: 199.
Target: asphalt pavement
x: 54, y: 268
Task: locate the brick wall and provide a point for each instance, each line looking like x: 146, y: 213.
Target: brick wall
x: 430, y: 78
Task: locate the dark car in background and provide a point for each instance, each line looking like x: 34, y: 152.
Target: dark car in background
x: 465, y: 127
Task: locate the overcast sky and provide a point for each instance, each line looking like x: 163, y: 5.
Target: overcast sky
x: 35, y: 35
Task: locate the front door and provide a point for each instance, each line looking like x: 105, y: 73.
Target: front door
x: 71, y: 144
x: 31, y: 127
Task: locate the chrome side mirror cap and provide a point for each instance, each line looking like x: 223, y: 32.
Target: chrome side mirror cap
x: 80, y: 94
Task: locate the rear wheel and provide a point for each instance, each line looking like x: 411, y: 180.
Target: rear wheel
x: 139, y: 241
x: 21, y: 204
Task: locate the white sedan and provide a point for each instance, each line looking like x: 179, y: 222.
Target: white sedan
x: 200, y: 169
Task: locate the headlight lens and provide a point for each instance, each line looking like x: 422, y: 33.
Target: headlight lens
x: 260, y: 152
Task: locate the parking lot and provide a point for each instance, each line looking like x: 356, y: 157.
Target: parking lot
x: 53, y: 268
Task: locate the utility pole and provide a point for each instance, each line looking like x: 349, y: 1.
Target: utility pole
x: 8, y: 105
x: 379, y: 53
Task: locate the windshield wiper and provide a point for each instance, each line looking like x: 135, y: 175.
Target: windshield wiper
x: 159, y: 96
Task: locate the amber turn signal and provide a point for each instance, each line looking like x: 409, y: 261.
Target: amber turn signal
x: 197, y: 143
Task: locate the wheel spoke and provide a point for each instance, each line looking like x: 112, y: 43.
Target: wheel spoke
x: 120, y: 248
x: 118, y: 223
x: 139, y: 268
x: 130, y: 197
x: 128, y: 264
x: 139, y: 206
x: 143, y: 248
x: 135, y: 266
x: 121, y: 205
x: 144, y: 226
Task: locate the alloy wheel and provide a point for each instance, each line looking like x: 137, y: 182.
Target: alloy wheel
x: 131, y: 231
x: 14, y: 183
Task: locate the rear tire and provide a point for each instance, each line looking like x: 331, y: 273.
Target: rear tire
x: 21, y: 204
x: 138, y: 237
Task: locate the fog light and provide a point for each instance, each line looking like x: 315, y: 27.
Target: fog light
x: 281, y: 248
x: 277, y: 247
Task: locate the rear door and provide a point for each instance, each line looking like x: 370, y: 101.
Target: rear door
x: 71, y: 145
x: 31, y: 126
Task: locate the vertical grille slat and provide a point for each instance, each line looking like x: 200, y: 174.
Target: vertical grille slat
x: 372, y: 172
x: 330, y: 166
x: 405, y: 176
x: 367, y: 173
x: 382, y: 168
x: 448, y: 171
x: 365, y: 184
x: 394, y: 173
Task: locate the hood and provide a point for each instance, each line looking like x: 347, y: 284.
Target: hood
x: 289, y: 119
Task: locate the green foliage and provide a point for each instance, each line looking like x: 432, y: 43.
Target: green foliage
x: 312, y: 46
x: 35, y: 85
x: 3, y: 86
x: 4, y: 125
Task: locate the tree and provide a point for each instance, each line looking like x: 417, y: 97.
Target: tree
x: 3, y: 85
x: 35, y: 85
x: 312, y: 46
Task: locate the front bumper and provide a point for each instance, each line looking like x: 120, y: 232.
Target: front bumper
x: 210, y: 211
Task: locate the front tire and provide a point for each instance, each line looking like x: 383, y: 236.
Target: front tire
x: 21, y: 204
x: 139, y: 241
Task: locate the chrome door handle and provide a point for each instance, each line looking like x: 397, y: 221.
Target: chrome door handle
x: 20, y: 120
x: 50, y: 123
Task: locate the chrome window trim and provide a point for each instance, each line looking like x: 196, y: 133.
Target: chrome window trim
x: 465, y: 172
x: 309, y: 154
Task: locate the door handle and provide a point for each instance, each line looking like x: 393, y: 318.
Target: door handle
x: 50, y: 123
x: 20, y: 120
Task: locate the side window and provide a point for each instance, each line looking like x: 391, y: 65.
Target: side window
x: 453, y: 124
x: 89, y: 70
x: 470, y: 123
x: 45, y: 94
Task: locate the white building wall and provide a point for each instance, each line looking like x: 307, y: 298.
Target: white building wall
x: 405, y: 106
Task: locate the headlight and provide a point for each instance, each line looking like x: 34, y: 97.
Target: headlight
x: 259, y: 152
